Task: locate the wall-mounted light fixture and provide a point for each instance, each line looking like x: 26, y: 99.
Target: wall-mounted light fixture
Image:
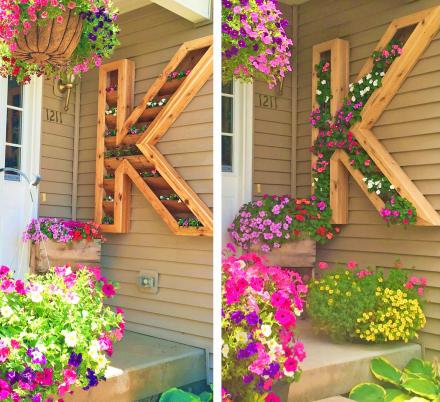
x: 65, y: 86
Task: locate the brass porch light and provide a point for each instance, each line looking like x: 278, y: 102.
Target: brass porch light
x: 65, y: 86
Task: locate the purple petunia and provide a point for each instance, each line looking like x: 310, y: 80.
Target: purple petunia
x: 75, y: 359
x: 37, y: 356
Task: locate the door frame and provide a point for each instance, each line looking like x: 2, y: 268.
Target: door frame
x: 31, y: 142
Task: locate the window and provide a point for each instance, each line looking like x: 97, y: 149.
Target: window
x: 228, y: 127
x: 14, y: 117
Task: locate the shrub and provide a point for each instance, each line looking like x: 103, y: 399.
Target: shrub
x: 260, y: 308
x: 370, y: 306
x: 419, y: 381
x: 55, y: 333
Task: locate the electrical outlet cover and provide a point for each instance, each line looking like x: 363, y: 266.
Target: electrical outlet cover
x: 148, y: 281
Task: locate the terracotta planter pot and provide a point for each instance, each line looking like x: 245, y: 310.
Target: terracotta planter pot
x: 150, y: 114
x: 295, y: 254
x: 112, y: 98
x: 110, y: 121
x: 82, y: 252
x: 51, y: 42
x: 171, y: 86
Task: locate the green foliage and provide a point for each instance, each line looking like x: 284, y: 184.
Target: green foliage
x: 178, y: 395
x: 419, y: 381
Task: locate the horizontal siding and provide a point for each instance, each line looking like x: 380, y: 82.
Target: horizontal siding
x: 182, y: 309
x: 409, y: 129
x: 56, y: 167
x: 273, y: 136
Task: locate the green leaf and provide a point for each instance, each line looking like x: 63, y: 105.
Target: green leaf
x: 384, y: 371
x: 417, y: 399
x: 421, y: 387
x: 368, y: 392
x: 177, y: 395
x: 206, y: 396
x: 396, y: 395
x: 419, y: 368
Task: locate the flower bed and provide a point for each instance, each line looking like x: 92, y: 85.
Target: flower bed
x: 254, y: 41
x: 56, y: 333
x: 23, y: 18
x: 260, y: 308
x: 368, y: 306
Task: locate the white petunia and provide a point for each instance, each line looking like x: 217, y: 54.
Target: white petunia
x: 241, y: 337
x: 382, y: 73
x: 225, y: 350
x: 368, y: 76
x: 392, y: 187
x: 323, y: 82
x: 36, y: 297
x: 71, y: 338
x: 364, y: 179
x: 353, y: 99
x: 318, y: 92
x: 6, y: 311
x: 326, y: 99
x: 266, y: 330
x: 377, y: 192
x: 361, y: 81
x: 375, y: 82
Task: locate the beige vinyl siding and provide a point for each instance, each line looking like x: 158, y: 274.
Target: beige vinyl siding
x: 56, y: 167
x: 273, y: 136
x: 182, y: 309
x: 409, y: 129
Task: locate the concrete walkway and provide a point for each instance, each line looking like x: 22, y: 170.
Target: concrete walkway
x: 143, y: 366
x: 334, y: 369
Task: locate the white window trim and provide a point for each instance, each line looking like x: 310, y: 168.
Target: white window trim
x: 243, y: 118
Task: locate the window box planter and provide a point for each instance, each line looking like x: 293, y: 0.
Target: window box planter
x: 150, y: 114
x: 171, y: 86
x: 59, y: 254
x: 295, y: 254
x: 110, y: 121
x: 112, y: 98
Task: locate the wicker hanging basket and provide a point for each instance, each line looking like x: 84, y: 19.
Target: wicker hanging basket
x: 50, y: 43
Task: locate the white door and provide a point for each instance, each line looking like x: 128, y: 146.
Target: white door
x: 237, y: 117
x: 20, y: 121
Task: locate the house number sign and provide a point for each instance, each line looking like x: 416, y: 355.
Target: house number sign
x: 54, y: 116
x: 267, y: 101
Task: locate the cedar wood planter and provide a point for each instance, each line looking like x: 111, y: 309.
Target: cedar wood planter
x: 50, y: 42
x: 59, y: 254
x: 295, y: 254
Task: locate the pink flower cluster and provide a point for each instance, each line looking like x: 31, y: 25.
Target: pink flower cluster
x: 255, y: 43
x: 261, y: 305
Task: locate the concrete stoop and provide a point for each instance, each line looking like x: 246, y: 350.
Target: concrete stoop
x: 143, y: 366
x: 334, y: 369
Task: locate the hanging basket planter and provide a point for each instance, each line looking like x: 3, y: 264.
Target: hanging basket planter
x: 254, y: 41
x: 52, y: 43
x: 58, y: 39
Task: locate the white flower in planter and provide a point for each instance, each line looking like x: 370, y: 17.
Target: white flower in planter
x: 378, y: 192
x: 375, y: 83
x: 327, y: 99
x: 36, y: 297
x: 368, y: 76
x: 364, y: 179
x: 6, y: 311
x: 323, y: 82
x: 353, y: 99
x: 241, y: 337
x: 225, y: 350
x: 351, y: 87
x: 266, y: 330
x: 361, y: 81
x: 392, y: 187
x: 318, y: 92
x: 71, y: 338
x: 382, y: 73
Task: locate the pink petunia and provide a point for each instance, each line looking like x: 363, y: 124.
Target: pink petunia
x: 322, y: 265
x: 352, y: 264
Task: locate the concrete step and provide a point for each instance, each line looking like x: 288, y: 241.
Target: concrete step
x: 334, y: 369
x: 143, y: 366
